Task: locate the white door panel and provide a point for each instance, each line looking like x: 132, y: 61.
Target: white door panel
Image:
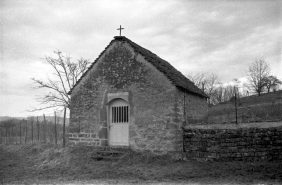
x: 119, y: 123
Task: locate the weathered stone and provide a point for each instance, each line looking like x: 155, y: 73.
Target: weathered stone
x: 103, y: 142
x: 103, y: 133
x: 82, y: 135
x: 74, y: 129
x: 73, y: 139
x: 249, y: 147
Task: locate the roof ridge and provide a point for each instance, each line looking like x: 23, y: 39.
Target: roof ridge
x: 175, y: 76
x: 183, y: 82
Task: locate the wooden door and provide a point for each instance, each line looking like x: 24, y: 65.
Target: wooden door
x: 119, y: 123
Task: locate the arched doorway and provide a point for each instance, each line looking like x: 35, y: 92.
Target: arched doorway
x: 119, y: 123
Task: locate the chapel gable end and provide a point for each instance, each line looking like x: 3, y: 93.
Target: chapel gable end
x: 119, y: 68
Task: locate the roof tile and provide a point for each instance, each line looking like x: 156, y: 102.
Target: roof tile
x: 176, y: 77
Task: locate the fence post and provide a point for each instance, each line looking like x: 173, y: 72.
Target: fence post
x: 9, y: 135
x: 25, y: 139
x: 20, y: 132
x: 64, y: 128
x: 32, y: 130
x: 55, y: 129
x: 14, y: 132
x: 16, y: 127
x: 235, y: 104
x: 12, y: 138
x: 45, y: 130
x: 6, y: 135
x: 37, y: 128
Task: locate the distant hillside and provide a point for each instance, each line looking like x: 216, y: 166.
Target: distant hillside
x: 267, y: 107
x: 40, y: 118
x: 266, y: 98
x: 3, y: 118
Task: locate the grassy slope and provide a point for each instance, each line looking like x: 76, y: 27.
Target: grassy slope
x: 47, y: 164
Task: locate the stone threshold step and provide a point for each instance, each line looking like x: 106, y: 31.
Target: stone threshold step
x: 110, y: 152
x: 105, y: 158
x: 110, y: 157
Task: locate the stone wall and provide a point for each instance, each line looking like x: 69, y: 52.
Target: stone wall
x: 156, y: 105
x: 243, y: 144
x: 195, y: 107
x: 84, y: 138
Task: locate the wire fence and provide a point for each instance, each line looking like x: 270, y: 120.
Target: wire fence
x: 49, y: 129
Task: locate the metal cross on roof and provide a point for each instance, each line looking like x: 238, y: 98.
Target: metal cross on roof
x: 120, y: 28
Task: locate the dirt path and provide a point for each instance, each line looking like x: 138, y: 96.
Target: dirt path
x: 36, y: 164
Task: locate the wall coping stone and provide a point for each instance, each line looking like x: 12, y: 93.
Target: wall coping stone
x: 235, y: 126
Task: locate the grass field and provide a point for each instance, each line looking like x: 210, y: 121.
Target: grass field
x: 46, y: 164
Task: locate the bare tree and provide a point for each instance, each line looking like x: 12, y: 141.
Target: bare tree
x: 198, y: 79
x: 228, y: 92
x: 208, y: 82
x: 224, y: 93
x: 6, y: 124
x: 236, y: 82
x: 66, y: 74
x: 219, y: 94
x: 257, y: 73
x: 272, y: 82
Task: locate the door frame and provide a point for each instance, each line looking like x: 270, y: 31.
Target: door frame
x: 109, y: 121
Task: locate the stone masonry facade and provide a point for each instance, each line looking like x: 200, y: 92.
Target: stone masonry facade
x: 157, y: 107
x: 243, y: 144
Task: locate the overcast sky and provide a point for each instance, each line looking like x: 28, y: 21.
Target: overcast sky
x: 222, y: 37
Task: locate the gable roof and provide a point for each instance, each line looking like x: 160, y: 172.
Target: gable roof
x: 176, y: 77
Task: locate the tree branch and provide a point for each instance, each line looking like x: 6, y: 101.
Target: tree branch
x: 66, y: 76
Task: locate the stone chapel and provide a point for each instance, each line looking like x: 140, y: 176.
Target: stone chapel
x: 130, y: 97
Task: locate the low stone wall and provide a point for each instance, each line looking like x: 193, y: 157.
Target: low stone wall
x: 89, y: 139
x: 242, y: 144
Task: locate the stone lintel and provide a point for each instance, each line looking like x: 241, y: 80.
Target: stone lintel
x: 122, y: 95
